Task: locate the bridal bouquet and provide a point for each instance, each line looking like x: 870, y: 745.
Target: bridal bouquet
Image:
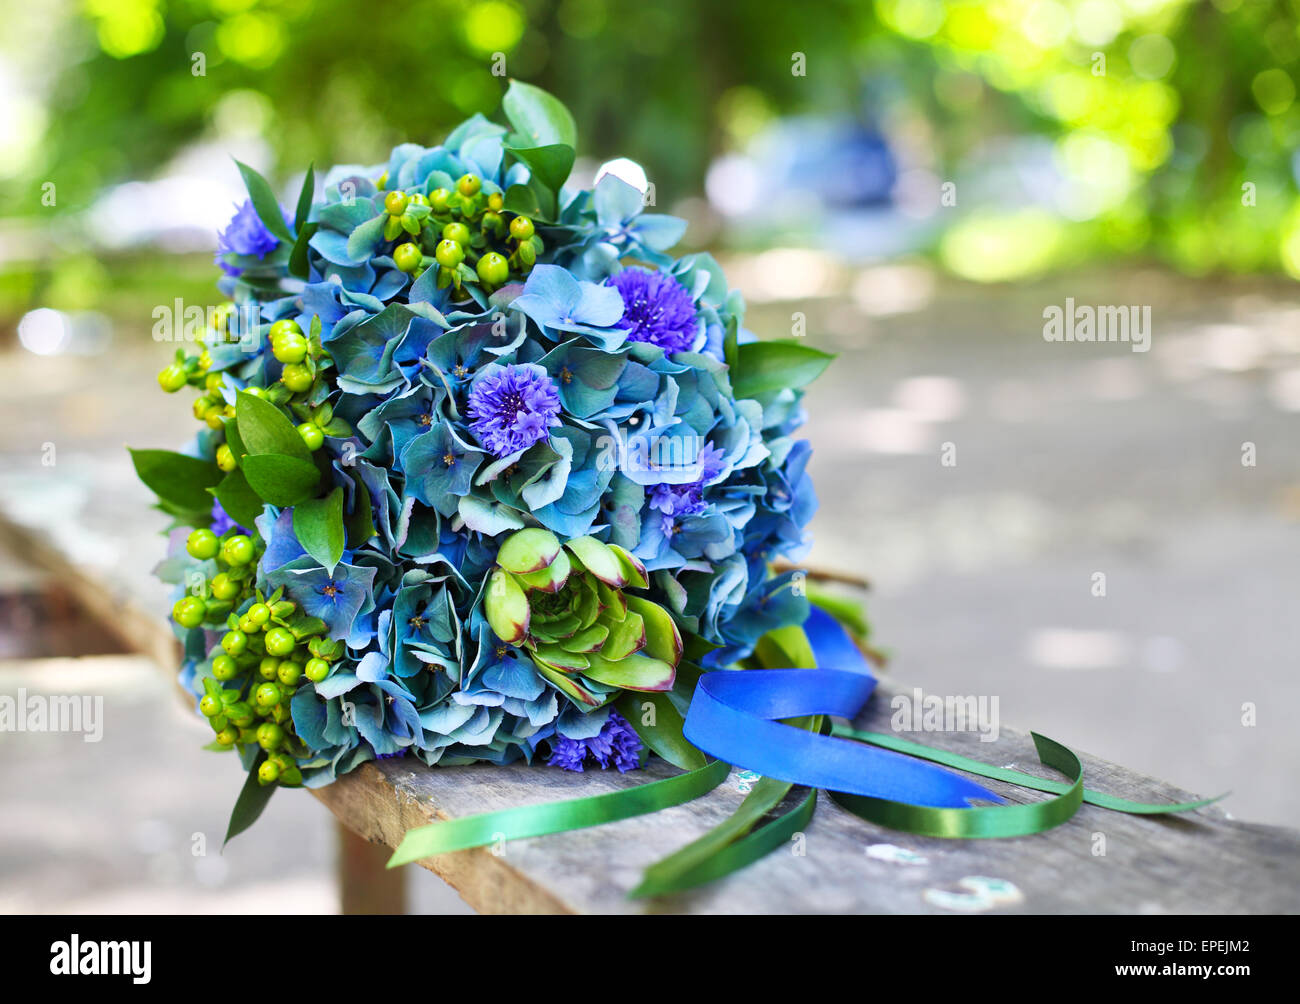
x: 484, y: 473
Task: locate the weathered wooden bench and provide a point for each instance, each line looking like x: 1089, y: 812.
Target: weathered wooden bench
x: 87, y: 521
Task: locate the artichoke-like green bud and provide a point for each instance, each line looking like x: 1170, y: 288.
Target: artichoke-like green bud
x: 565, y: 604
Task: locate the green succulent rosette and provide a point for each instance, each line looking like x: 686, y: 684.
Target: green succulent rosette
x: 567, y: 604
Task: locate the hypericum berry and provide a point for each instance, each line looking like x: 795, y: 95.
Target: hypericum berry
x: 260, y: 613
x: 527, y: 255
x: 172, y: 378
x: 268, y: 667
x: 418, y: 199
x: 237, y: 550
x: 311, y: 435
x: 205, y: 361
x: 469, y: 185
x: 224, y: 668
x: 267, y: 695
x: 214, y: 417
x: 457, y: 232
x: 213, y: 381
x: 438, y: 200
x: 395, y: 203
x: 289, y: 673
x: 296, y: 377
x: 248, y: 625
x: 202, y: 544
x: 223, y: 587
x: 495, y: 202
x: 189, y: 611
x: 407, y: 257
x: 493, y: 269
x: 521, y: 228
x: 226, y: 458
x: 493, y: 222
x: 291, y: 347
x: 449, y: 253
x: 235, y: 643
x: 201, y: 406
x: 210, y: 706
x: 270, y: 736
x: 280, y: 642
x: 228, y: 736
x: 317, y: 670
x: 284, y: 326
x: 268, y: 773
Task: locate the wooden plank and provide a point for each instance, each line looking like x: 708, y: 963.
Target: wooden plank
x: 1099, y: 862
x: 1199, y: 862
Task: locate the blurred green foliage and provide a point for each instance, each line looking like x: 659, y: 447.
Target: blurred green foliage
x: 1173, y: 123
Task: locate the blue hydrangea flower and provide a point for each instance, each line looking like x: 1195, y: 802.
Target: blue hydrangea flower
x: 615, y: 744
x: 512, y: 408
x: 656, y: 309
x: 245, y: 235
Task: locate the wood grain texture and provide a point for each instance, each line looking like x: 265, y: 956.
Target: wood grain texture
x: 1200, y: 862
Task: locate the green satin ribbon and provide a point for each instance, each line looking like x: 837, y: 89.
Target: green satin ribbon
x: 1097, y: 798
x: 980, y: 821
x: 556, y: 817
x: 712, y: 856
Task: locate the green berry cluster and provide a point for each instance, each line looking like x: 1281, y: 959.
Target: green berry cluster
x: 463, y: 231
x: 257, y: 668
x: 212, y: 601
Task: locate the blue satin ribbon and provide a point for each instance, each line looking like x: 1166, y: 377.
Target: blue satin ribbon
x: 735, y: 717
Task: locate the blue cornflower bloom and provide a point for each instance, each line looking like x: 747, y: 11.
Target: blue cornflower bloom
x: 616, y: 743
x: 245, y: 234
x: 656, y: 309
x: 675, y: 501
x: 512, y: 407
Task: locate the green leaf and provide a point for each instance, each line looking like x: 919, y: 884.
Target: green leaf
x: 533, y: 200
x: 299, y: 264
x: 360, y: 523
x: 664, y: 736
x: 250, y: 803
x: 280, y: 480
x: 538, y: 116
x: 318, y: 525
x: 774, y: 365
x: 179, y: 480
x: 730, y: 347
x: 239, y: 500
x: 549, y: 164
x: 304, y: 198
x: 264, y: 428
x: 265, y: 203
x: 785, y: 648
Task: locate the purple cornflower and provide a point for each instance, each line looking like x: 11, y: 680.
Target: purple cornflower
x: 675, y: 501
x: 616, y: 743
x: 221, y: 521
x: 245, y: 235
x: 656, y: 309
x: 512, y: 407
